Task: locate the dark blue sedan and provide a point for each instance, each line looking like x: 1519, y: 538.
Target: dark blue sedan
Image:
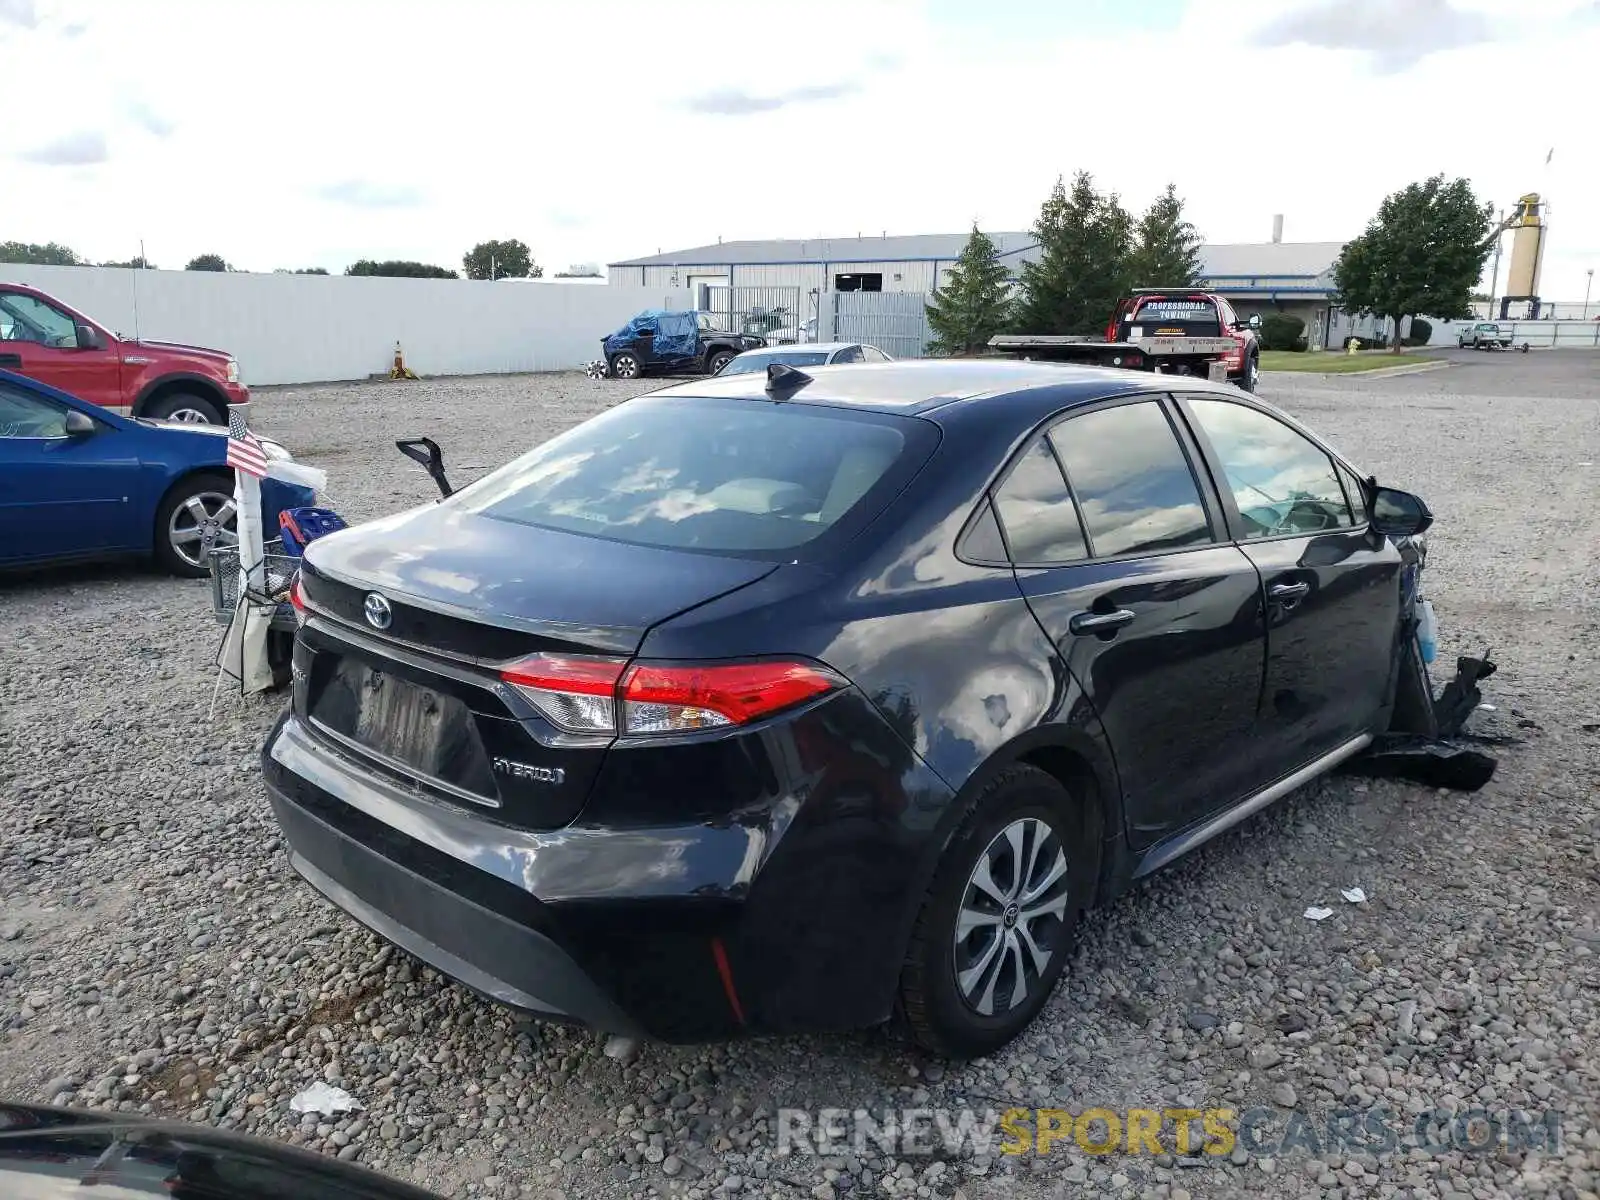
x: 78, y: 482
x: 793, y: 702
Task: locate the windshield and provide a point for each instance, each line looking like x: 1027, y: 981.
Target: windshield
x: 723, y: 476
x: 746, y: 363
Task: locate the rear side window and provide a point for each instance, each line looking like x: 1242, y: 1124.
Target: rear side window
x: 723, y: 476
x: 1036, y: 511
x: 1177, y: 316
x: 1132, y: 481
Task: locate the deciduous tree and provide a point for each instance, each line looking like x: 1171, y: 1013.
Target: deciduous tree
x: 1422, y: 253
x: 509, y: 259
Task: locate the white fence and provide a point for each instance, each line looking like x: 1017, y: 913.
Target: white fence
x: 320, y: 328
x: 1560, y: 335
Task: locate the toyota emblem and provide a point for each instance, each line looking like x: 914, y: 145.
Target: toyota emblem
x: 379, y: 614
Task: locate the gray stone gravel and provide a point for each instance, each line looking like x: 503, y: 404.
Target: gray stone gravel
x: 157, y: 955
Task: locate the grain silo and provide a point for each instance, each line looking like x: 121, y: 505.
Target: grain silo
x: 1527, y: 254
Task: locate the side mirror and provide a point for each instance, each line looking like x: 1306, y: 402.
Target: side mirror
x: 1399, y: 514
x: 426, y: 451
x: 1255, y: 321
x: 89, y: 338
x: 78, y: 424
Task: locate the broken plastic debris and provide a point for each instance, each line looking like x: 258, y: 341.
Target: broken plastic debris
x: 623, y: 1049
x: 324, y: 1100
x: 1318, y: 914
x: 1353, y: 895
x: 1488, y: 708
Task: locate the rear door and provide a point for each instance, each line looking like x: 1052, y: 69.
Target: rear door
x: 63, y: 496
x: 1332, y: 584
x: 1121, y: 552
x: 40, y: 340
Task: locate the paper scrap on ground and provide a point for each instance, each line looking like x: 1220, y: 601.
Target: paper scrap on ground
x: 324, y: 1100
x: 1318, y: 914
x: 1354, y: 895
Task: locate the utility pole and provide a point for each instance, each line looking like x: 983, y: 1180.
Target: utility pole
x: 1587, y: 284
x: 1494, y: 275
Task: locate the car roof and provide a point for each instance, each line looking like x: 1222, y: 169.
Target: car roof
x: 919, y: 386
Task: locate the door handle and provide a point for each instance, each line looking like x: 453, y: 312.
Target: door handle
x: 14, y: 361
x: 1099, y: 622
x: 1288, y: 591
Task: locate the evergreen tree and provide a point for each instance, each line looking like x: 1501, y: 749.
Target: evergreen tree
x: 970, y: 308
x: 1166, y: 248
x: 1082, y: 268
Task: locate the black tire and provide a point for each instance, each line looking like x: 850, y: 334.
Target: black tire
x: 189, y: 407
x: 184, y: 557
x: 1252, y: 369
x: 718, y: 359
x: 941, y: 1016
x: 625, y: 364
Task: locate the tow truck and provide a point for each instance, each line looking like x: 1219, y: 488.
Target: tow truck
x: 1173, y: 331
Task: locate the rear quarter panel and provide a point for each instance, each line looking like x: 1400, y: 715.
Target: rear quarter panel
x: 947, y: 653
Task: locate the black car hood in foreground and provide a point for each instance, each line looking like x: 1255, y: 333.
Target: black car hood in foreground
x: 544, y: 581
x: 46, y: 1153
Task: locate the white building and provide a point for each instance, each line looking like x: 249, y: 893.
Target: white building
x: 1263, y: 277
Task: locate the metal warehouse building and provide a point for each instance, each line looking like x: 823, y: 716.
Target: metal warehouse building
x: 1263, y: 277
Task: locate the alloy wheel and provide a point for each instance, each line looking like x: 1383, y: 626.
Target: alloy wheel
x: 204, y: 520
x: 626, y: 366
x: 1011, y: 914
x: 189, y: 416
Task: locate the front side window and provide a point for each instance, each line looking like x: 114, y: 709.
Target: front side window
x: 1036, y: 511
x: 1282, y: 482
x: 29, y: 319
x: 1356, y: 493
x: 725, y: 477
x: 27, y: 416
x: 1132, y: 481
x: 850, y: 354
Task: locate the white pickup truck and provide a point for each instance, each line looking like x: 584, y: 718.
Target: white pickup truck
x: 1483, y: 335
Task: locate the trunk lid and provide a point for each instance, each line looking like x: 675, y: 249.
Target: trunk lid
x: 420, y: 700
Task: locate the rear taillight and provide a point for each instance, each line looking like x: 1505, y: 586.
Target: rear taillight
x: 297, y: 597
x: 603, y: 695
x: 575, y: 694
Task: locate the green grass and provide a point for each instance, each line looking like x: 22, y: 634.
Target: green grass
x: 1336, y: 361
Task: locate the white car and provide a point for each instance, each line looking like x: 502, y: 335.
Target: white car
x: 811, y: 355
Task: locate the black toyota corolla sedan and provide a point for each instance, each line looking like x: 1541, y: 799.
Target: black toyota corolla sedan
x: 805, y: 701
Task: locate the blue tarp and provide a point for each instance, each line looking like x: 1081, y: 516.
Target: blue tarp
x: 677, y: 334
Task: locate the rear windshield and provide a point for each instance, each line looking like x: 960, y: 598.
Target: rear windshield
x: 789, y: 358
x: 722, y: 476
x: 1192, y: 318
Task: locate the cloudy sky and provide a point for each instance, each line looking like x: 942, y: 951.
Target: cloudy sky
x: 285, y: 133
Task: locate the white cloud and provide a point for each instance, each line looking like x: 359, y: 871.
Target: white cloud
x: 574, y: 127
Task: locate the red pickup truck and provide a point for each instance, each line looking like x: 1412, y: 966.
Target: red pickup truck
x: 45, y: 339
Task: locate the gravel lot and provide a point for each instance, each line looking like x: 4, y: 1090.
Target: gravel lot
x: 157, y: 953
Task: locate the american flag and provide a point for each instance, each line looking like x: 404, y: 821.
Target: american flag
x: 245, y: 451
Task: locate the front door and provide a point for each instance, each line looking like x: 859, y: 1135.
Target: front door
x: 40, y: 341
x: 61, y: 495
x: 1123, y: 557
x: 1331, y: 584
